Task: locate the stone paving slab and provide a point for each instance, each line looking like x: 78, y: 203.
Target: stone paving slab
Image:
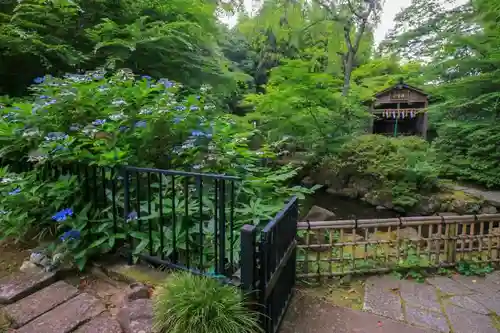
x: 468, y: 303
x: 308, y: 315
x: 449, y: 286
x: 420, y: 294
x: 40, y: 302
x: 381, y: 297
x: 67, y: 316
x: 419, y: 316
x: 18, y: 286
x: 465, y: 321
x: 490, y: 301
x: 102, y: 323
x: 475, y: 283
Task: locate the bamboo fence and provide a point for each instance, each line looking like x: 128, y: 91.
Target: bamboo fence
x: 336, y: 248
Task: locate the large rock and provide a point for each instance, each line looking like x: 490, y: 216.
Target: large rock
x: 429, y: 205
x: 136, y: 316
x: 319, y: 214
x: 307, y: 182
x: 361, y: 186
x: 488, y: 209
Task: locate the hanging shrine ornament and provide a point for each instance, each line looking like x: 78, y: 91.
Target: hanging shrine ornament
x: 391, y: 113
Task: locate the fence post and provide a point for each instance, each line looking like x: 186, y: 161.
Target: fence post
x: 248, y: 257
x: 451, y: 251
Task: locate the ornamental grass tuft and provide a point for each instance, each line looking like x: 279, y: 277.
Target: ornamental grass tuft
x: 186, y: 303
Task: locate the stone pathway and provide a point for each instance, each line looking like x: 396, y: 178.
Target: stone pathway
x: 458, y: 304
x: 38, y: 303
x: 308, y: 314
x: 492, y: 197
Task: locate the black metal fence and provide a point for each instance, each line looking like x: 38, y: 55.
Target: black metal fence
x: 182, y: 219
x: 172, y: 218
x: 268, y: 265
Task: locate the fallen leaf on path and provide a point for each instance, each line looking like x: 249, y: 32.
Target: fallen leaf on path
x: 379, y: 324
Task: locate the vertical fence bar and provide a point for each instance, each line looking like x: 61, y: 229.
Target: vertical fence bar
x: 174, y: 227
x: 186, y: 218
x: 126, y: 208
x: 162, y: 222
x: 113, y: 199
x: 138, y: 200
x: 222, y: 228
x: 199, y: 185
x: 216, y: 234
x: 150, y: 222
x: 231, y: 226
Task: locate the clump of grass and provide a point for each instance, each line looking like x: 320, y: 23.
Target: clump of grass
x: 4, y: 322
x: 186, y: 303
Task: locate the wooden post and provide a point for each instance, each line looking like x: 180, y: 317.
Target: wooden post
x: 248, y: 258
x: 451, y: 251
x: 424, y: 121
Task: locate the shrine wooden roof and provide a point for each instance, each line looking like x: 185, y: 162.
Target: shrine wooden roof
x: 399, y: 86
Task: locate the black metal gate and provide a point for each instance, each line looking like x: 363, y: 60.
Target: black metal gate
x: 268, y: 266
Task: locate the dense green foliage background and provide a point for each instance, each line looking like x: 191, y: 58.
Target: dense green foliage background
x: 292, y: 77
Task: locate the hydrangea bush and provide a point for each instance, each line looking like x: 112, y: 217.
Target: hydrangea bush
x: 108, y: 120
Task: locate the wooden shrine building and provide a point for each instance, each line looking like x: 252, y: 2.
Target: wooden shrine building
x: 400, y: 110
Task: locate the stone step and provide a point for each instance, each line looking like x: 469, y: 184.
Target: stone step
x: 33, y: 306
x: 20, y: 285
x: 66, y: 317
x: 102, y: 323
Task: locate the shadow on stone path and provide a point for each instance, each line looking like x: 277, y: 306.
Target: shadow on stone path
x: 308, y: 314
x: 40, y: 303
x: 458, y: 304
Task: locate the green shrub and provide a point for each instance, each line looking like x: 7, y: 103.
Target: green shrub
x: 469, y: 151
x: 401, y: 168
x: 27, y: 204
x: 186, y: 303
x: 109, y: 119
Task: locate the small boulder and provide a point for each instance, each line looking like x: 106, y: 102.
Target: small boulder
x: 307, y: 182
x: 137, y: 291
x: 29, y: 267
x: 488, y: 210
x: 319, y: 214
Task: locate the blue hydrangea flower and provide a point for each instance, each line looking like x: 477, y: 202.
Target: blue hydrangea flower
x: 3, y: 212
x: 52, y: 101
x: 15, y: 191
x: 146, y: 111
x: 123, y: 128
x: 146, y: 77
x: 55, y: 136
x: 193, y: 108
x: 74, y: 127
x: 119, y: 102
x: 117, y: 116
x: 62, y: 215
x: 132, y: 216
x: 38, y: 80
x: 70, y: 235
x: 177, y: 120
x: 198, y: 97
x: 197, y: 133
x: 166, y: 83
x: 98, y: 122
x: 43, y: 97
x: 180, y: 107
x: 103, y: 88
x: 140, y: 123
